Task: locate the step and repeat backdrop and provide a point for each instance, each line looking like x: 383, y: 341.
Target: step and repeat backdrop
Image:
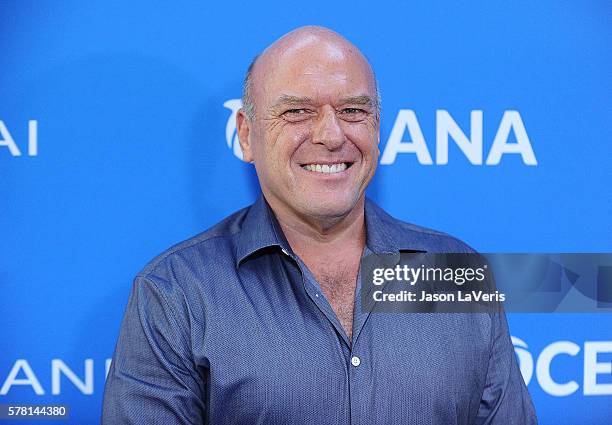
x: 117, y: 140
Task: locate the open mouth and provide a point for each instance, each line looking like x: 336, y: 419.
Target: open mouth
x: 327, y: 168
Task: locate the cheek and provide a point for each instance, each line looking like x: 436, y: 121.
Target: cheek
x: 278, y: 133
x: 280, y: 142
x: 291, y: 139
x: 365, y: 137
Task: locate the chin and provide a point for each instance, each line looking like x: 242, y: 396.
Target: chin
x: 331, y: 206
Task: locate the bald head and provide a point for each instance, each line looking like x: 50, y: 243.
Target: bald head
x: 302, y: 48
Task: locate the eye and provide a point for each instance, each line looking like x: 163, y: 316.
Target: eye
x: 296, y: 114
x: 353, y: 114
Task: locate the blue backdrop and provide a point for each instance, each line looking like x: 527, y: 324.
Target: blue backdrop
x: 115, y: 144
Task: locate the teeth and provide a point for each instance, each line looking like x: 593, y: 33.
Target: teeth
x: 325, y: 168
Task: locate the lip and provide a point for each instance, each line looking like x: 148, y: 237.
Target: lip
x: 327, y: 176
x: 327, y: 162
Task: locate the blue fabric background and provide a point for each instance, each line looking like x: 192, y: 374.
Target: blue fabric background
x: 133, y: 156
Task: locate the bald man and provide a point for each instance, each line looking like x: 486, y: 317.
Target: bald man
x: 257, y: 320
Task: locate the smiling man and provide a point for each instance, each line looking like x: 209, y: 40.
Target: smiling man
x: 257, y: 319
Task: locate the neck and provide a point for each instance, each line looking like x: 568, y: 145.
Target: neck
x: 321, y: 236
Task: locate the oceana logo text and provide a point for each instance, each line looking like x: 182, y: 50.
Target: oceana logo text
x: 562, y: 386
x: 406, y: 137
x: 22, y: 375
x: 30, y: 147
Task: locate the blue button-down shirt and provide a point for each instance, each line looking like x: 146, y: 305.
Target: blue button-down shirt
x: 230, y: 327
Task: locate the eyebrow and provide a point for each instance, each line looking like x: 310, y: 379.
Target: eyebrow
x: 362, y: 99
x: 287, y: 99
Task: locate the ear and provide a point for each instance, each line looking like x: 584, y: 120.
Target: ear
x: 243, y: 127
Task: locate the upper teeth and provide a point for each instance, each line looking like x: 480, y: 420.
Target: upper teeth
x: 325, y: 168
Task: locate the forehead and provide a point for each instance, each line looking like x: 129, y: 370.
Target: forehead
x: 323, y: 71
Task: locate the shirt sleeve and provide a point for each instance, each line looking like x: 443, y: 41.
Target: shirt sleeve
x: 153, y: 378
x: 505, y: 399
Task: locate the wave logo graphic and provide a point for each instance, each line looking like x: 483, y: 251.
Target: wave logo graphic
x: 525, y: 358
x: 231, y: 135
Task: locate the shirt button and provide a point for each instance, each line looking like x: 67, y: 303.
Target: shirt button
x: 355, y: 361
x: 317, y: 295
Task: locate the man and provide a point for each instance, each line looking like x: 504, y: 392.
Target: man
x: 257, y: 320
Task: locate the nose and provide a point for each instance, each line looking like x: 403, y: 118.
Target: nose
x: 327, y: 129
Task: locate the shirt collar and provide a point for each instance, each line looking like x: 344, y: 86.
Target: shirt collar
x: 260, y: 229
x: 381, y: 229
